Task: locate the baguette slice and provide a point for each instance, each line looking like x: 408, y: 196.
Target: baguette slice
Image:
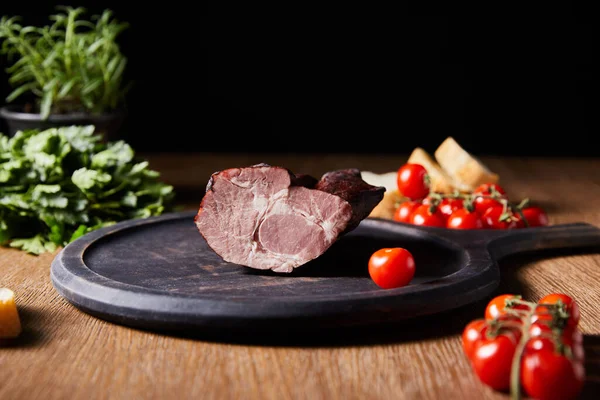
x: 387, y: 206
x: 466, y: 171
x: 10, y: 324
x: 391, y: 198
x: 441, y: 182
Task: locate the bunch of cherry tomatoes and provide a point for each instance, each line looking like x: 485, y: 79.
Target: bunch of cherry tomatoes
x: 531, y: 347
x: 487, y: 207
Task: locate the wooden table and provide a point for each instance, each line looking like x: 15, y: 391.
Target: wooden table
x: 66, y: 354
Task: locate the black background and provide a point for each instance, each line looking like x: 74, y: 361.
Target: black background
x: 294, y: 77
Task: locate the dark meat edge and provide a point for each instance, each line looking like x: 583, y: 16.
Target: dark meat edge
x: 349, y: 185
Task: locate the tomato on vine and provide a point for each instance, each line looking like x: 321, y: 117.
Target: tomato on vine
x: 413, y: 181
x: 535, y: 216
x: 570, y: 306
x: 498, y: 306
x: 391, y: 267
x: 425, y: 215
x: 488, y: 195
x: 404, y: 211
x: 473, y: 332
x: 492, y: 360
x: 464, y: 219
x: 547, y: 373
x: 535, y: 348
x: 447, y: 206
x: 496, y: 218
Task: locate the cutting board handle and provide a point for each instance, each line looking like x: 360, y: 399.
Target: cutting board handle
x: 575, y: 235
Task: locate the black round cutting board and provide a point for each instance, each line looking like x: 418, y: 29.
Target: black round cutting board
x: 158, y: 273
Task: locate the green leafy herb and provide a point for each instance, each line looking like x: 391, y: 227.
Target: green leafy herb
x: 61, y: 183
x: 72, y: 65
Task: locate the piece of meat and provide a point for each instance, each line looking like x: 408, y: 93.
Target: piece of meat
x: 266, y: 217
x: 349, y: 185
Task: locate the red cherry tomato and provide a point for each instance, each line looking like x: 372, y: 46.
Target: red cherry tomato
x: 391, y: 267
x: 483, y: 203
x: 535, y: 216
x: 539, y: 328
x: 574, y: 340
x: 464, y: 219
x: 568, y: 336
x: 403, y: 212
x: 492, y: 360
x: 546, y: 374
x: 542, y: 315
x: 412, y: 180
x: 486, y: 189
x: 448, y: 206
x: 491, y: 219
x: 571, y: 307
x: 497, y: 306
x: 422, y: 215
x: 473, y: 332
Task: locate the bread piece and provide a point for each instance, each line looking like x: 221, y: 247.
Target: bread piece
x: 387, y: 206
x: 466, y: 171
x: 441, y: 182
x: 391, y: 198
x: 10, y: 324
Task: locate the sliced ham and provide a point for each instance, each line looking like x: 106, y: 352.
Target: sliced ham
x: 266, y: 217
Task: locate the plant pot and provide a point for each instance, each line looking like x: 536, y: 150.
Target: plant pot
x: 107, y: 124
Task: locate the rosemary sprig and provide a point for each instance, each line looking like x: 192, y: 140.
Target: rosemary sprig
x: 73, y: 64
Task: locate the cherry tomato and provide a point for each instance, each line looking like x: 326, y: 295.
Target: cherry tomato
x: 574, y: 342
x: 539, y: 328
x: 483, y: 203
x: 448, y: 206
x: 542, y: 315
x: 492, y: 360
x: 568, y: 336
x: 474, y: 331
x: 464, y: 219
x: 403, y: 212
x: 423, y: 216
x: 535, y: 216
x: 491, y: 219
x: 391, y: 267
x: 571, y: 307
x: 412, y: 180
x: 546, y: 374
x: 497, y: 306
x: 486, y: 189
x: 537, y: 344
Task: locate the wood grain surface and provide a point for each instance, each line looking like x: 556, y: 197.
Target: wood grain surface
x: 66, y: 354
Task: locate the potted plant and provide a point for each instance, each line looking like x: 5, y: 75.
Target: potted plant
x: 67, y: 73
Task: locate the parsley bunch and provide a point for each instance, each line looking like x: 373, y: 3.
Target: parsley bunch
x: 61, y: 183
